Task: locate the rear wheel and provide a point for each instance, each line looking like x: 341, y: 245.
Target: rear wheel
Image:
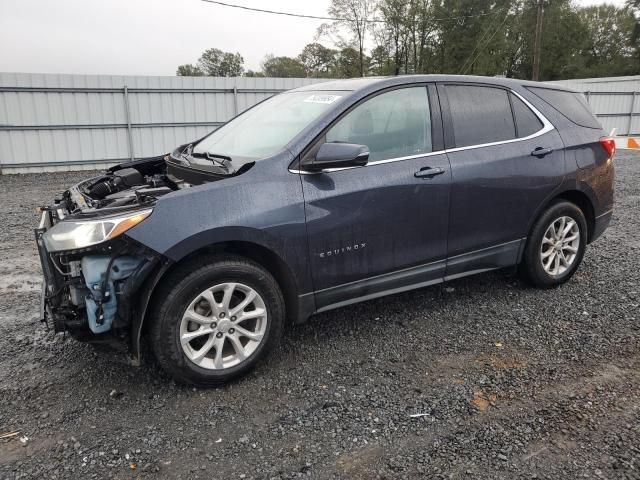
x: 213, y: 323
x: 556, y: 245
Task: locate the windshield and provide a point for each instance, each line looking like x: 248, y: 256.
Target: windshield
x: 268, y: 127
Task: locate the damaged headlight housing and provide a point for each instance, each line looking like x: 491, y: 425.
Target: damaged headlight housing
x: 74, y: 234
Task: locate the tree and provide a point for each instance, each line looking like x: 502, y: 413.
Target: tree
x: 251, y: 73
x: 282, y: 67
x: 216, y: 63
x: 349, y: 63
x: 318, y: 60
x: 563, y: 35
x: 634, y: 5
x: 467, y: 36
x: 381, y: 63
x: 480, y: 37
x: 354, y: 15
x: 189, y: 70
x: 394, y: 35
x: 609, y: 44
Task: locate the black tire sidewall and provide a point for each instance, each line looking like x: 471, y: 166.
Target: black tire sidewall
x: 533, y: 269
x: 165, y: 334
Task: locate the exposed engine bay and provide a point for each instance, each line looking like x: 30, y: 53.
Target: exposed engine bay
x: 134, y: 185
x: 141, y: 182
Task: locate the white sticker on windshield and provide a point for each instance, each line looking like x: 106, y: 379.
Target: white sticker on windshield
x: 322, y: 98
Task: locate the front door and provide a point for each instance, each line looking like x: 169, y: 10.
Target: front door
x: 380, y: 228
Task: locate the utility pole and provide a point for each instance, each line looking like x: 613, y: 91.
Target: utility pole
x: 537, y: 43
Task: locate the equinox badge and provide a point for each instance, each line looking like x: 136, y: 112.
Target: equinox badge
x: 347, y: 249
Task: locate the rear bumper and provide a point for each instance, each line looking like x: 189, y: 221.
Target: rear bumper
x: 601, y: 224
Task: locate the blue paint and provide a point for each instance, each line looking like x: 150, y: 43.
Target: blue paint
x: 94, y: 268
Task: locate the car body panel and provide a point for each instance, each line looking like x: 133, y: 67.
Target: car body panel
x: 369, y: 221
x: 496, y: 189
x: 264, y: 206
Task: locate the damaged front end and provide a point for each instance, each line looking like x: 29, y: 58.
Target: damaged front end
x: 96, y: 279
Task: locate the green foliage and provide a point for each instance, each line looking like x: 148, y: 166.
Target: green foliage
x: 634, y: 5
x: 318, y: 60
x: 381, y: 62
x: 495, y: 37
x: 354, y: 17
x: 348, y: 63
x: 610, y: 43
x: 216, y: 63
x: 282, y: 67
x: 189, y: 70
x: 476, y: 37
x: 251, y: 73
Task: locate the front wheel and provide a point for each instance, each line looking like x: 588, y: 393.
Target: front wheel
x: 213, y: 323
x: 556, y: 245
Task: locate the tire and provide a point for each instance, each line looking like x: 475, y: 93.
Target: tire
x: 184, y: 309
x: 534, y: 267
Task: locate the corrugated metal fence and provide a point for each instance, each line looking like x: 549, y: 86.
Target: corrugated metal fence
x: 64, y: 122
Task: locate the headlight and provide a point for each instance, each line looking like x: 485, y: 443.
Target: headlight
x: 74, y: 234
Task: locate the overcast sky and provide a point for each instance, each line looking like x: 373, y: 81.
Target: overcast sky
x: 148, y: 37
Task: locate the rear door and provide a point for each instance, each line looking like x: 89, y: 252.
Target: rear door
x: 383, y: 227
x: 506, y: 159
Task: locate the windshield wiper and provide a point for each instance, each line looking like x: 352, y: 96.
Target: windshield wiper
x: 222, y: 160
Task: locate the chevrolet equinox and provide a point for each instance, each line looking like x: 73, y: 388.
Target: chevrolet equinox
x: 321, y: 197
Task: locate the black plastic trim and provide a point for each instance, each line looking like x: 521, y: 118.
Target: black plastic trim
x: 380, y: 285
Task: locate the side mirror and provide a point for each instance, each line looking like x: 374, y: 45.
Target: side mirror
x: 338, y: 155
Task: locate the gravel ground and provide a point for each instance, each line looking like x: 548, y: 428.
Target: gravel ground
x: 511, y: 382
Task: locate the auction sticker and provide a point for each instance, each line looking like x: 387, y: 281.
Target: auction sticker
x: 322, y: 98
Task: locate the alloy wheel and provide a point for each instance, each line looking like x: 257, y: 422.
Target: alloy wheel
x: 223, y: 326
x: 560, y: 246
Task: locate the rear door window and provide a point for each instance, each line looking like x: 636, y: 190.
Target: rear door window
x: 527, y: 122
x: 480, y: 114
x: 393, y: 124
x: 570, y: 104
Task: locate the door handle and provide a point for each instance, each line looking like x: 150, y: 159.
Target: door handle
x: 428, y: 172
x: 541, y: 152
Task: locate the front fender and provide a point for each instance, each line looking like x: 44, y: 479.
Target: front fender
x: 219, y: 235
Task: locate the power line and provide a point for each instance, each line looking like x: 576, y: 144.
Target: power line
x: 487, y: 42
x: 333, y: 19
x: 463, y: 67
x: 243, y: 7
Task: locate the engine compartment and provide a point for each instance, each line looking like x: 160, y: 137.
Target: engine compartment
x: 121, y: 187
x: 141, y: 182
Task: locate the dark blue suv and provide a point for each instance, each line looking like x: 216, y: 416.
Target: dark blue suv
x: 321, y: 197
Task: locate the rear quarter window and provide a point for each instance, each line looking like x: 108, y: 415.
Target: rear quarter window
x: 572, y: 105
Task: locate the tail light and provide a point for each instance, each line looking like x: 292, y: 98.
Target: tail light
x: 609, y: 145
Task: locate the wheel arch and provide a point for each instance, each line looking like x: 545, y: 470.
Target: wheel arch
x: 579, y: 198
x: 255, y: 252
x: 584, y: 203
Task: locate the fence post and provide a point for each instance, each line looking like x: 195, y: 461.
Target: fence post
x: 235, y: 100
x: 633, y: 106
x: 128, y: 117
x: 586, y: 94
